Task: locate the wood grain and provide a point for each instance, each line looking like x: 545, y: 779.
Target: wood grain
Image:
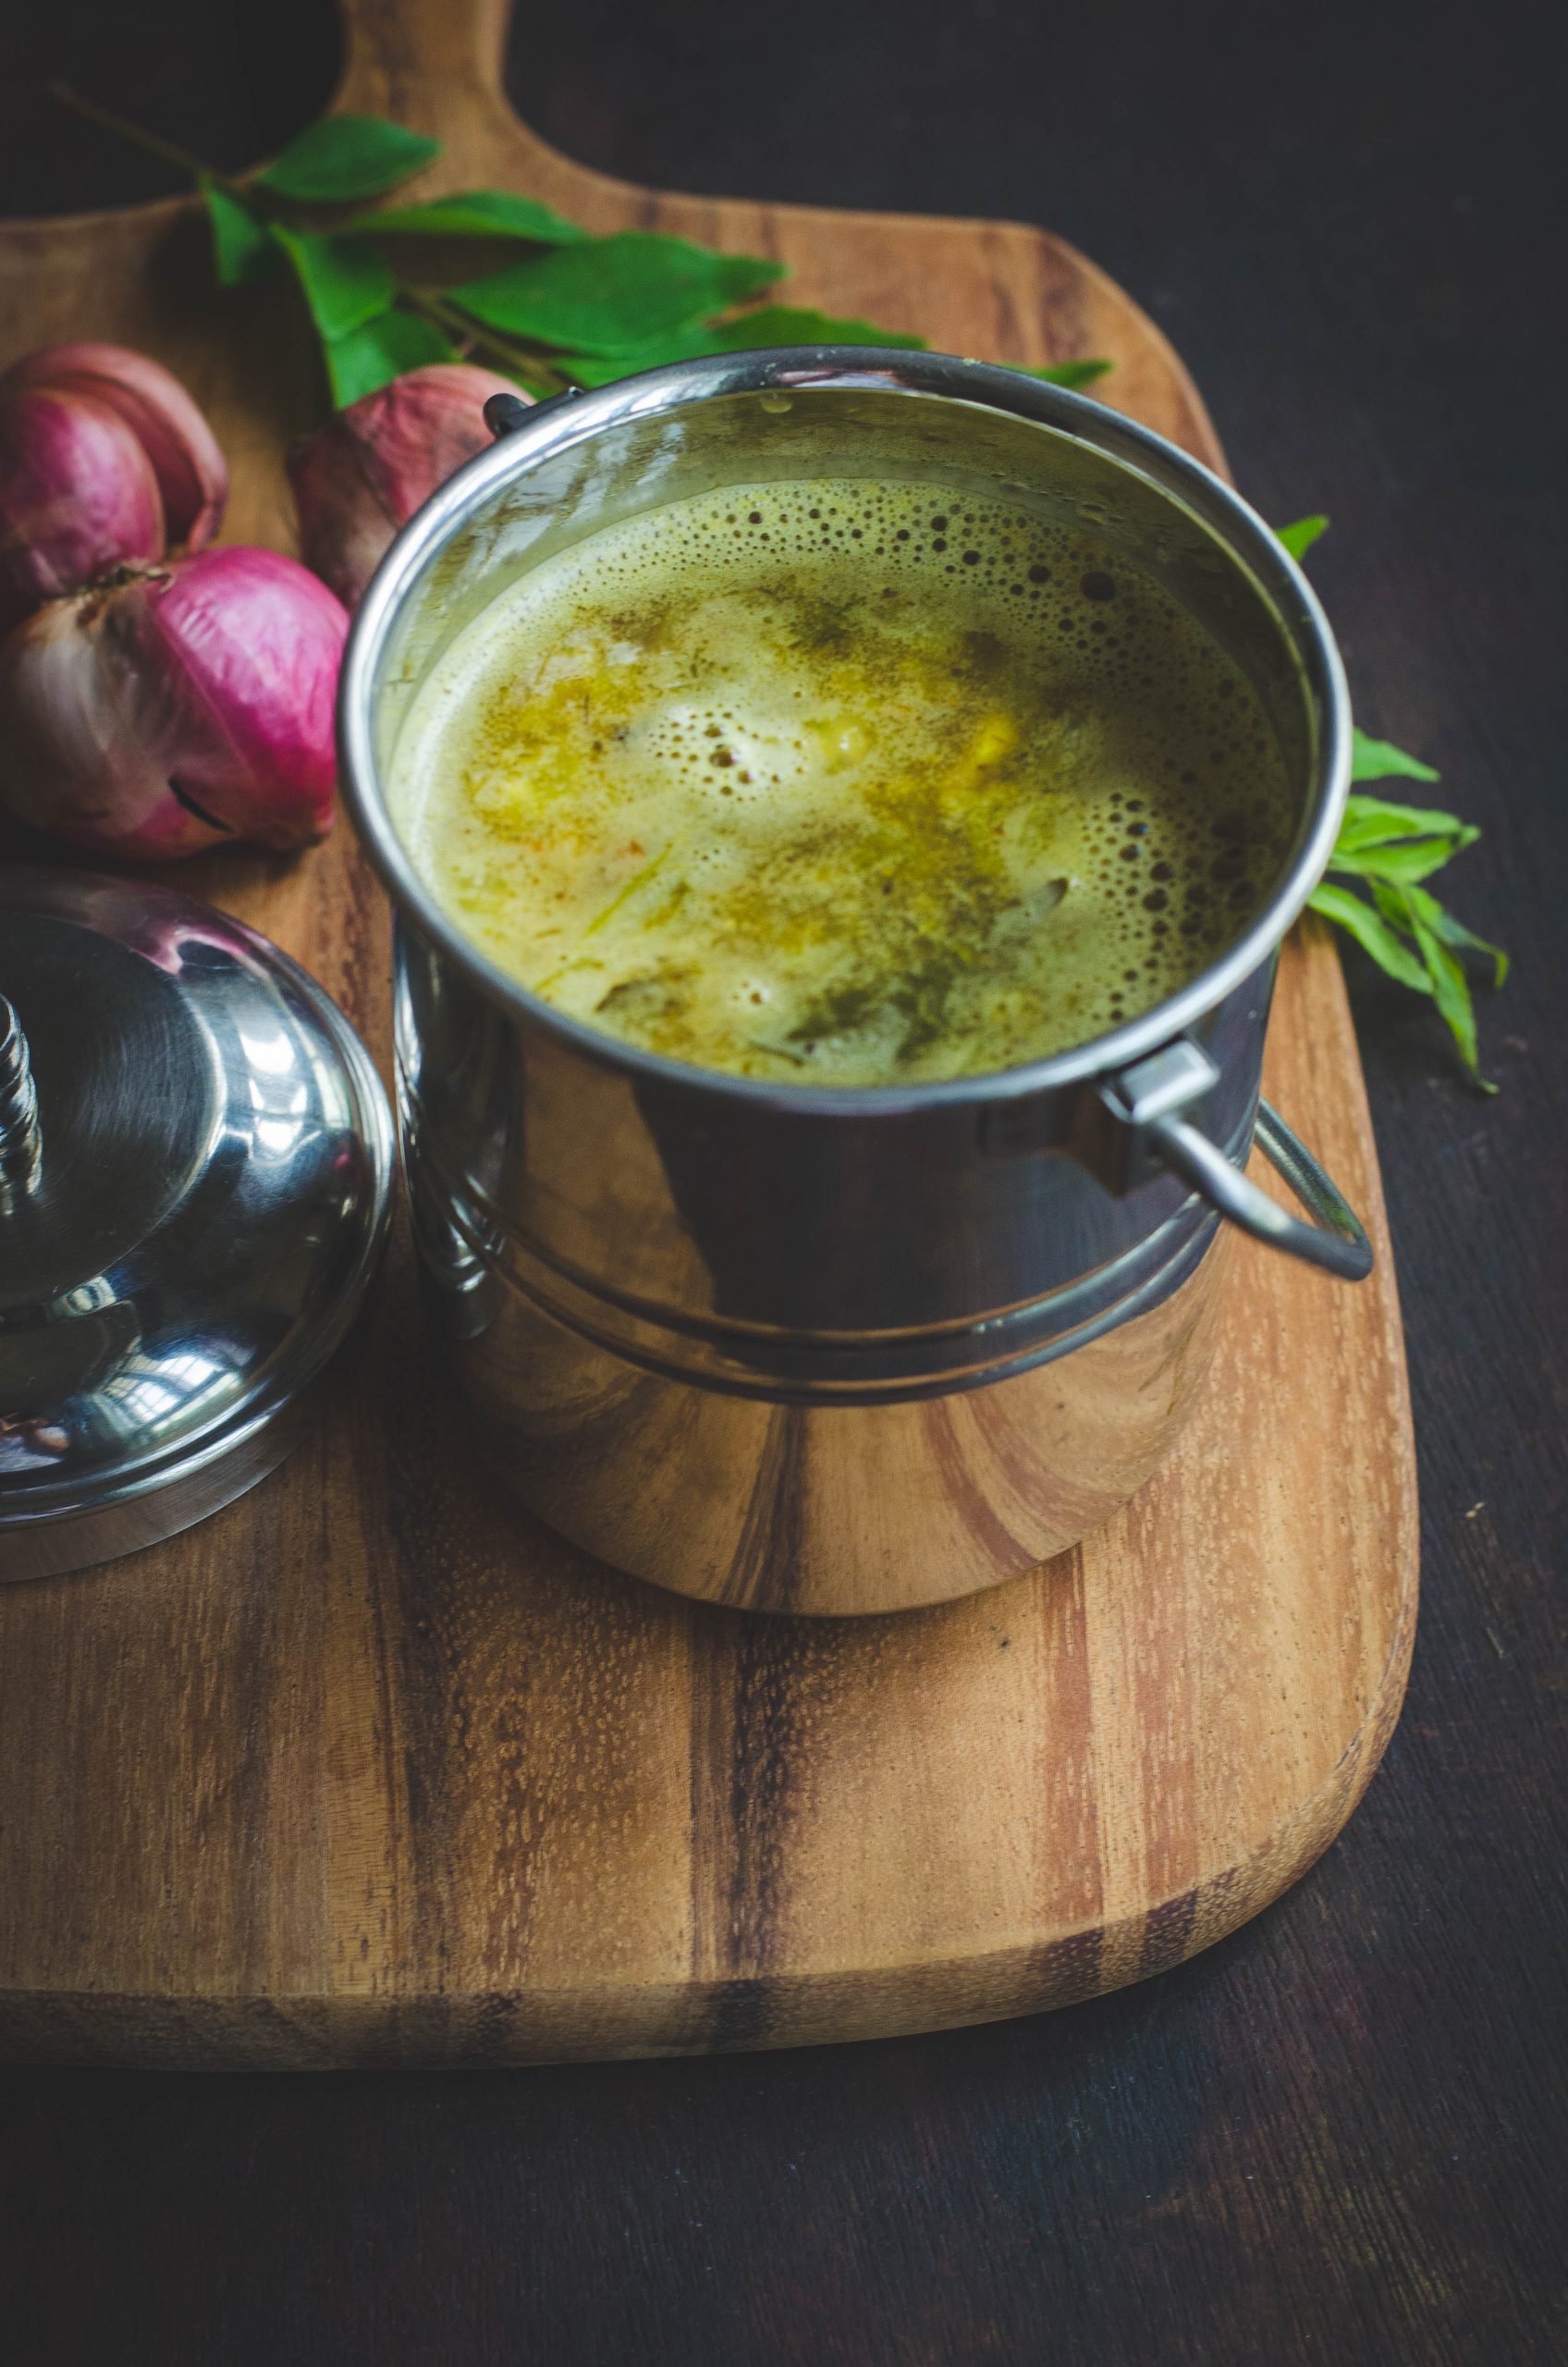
x: 370, y: 1768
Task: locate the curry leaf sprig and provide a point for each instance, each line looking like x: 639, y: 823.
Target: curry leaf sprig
x: 482, y: 273
x: 1388, y: 851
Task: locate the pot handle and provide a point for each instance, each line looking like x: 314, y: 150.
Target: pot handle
x: 1336, y: 1239
x: 1150, y: 1099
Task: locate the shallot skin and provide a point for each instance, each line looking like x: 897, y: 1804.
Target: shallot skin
x: 177, y: 707
x: 78, y: 497
x: 192, y: 473
x: 359, y: 478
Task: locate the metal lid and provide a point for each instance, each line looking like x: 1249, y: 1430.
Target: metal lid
x: 195, y: 1165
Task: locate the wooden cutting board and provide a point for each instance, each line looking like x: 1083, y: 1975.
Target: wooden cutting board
x: 371, y: 1767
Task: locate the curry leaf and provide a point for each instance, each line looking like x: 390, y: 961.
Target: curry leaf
x: 1405, y: 862
x: 1373, y: 934
x: 612, y: 295
x: 1405, y: 929
x: 1299, y: 539
x: 1450, y: 985
x: 1403, y: 843
x: 241, y: 249
x: 381, y: 350
x: 770, y: 325
x: 797, y: 324
x: 1380, y: 760
x: 1453, y: 933
x: 474, y: 213
x: 1373, y: 821
x: 603, y: 369
x: 345, y: 281
x: 1068, y: 373
x: 347, y: 157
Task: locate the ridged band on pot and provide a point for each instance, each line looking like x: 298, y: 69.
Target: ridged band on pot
x: 828, y: 1251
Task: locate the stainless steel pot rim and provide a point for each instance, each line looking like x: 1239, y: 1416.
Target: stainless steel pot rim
x: 985, y: 387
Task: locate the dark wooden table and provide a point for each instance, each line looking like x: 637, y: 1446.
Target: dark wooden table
x: 1338, y: 2137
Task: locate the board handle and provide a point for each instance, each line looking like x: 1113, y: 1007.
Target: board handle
x: 420, y: 61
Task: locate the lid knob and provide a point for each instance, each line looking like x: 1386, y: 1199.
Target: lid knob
x: 20, y: 1142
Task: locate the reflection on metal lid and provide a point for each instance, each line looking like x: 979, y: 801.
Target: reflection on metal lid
x: 204, y: 1206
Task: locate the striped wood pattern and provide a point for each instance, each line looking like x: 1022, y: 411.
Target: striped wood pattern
x: 370, y: 1766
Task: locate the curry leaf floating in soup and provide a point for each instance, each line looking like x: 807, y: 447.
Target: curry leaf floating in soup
x: 843, y: 782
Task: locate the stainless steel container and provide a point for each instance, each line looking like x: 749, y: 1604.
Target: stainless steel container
x: 811, y: 1349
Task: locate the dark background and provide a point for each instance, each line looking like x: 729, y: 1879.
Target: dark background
x: 1340, y: 2135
